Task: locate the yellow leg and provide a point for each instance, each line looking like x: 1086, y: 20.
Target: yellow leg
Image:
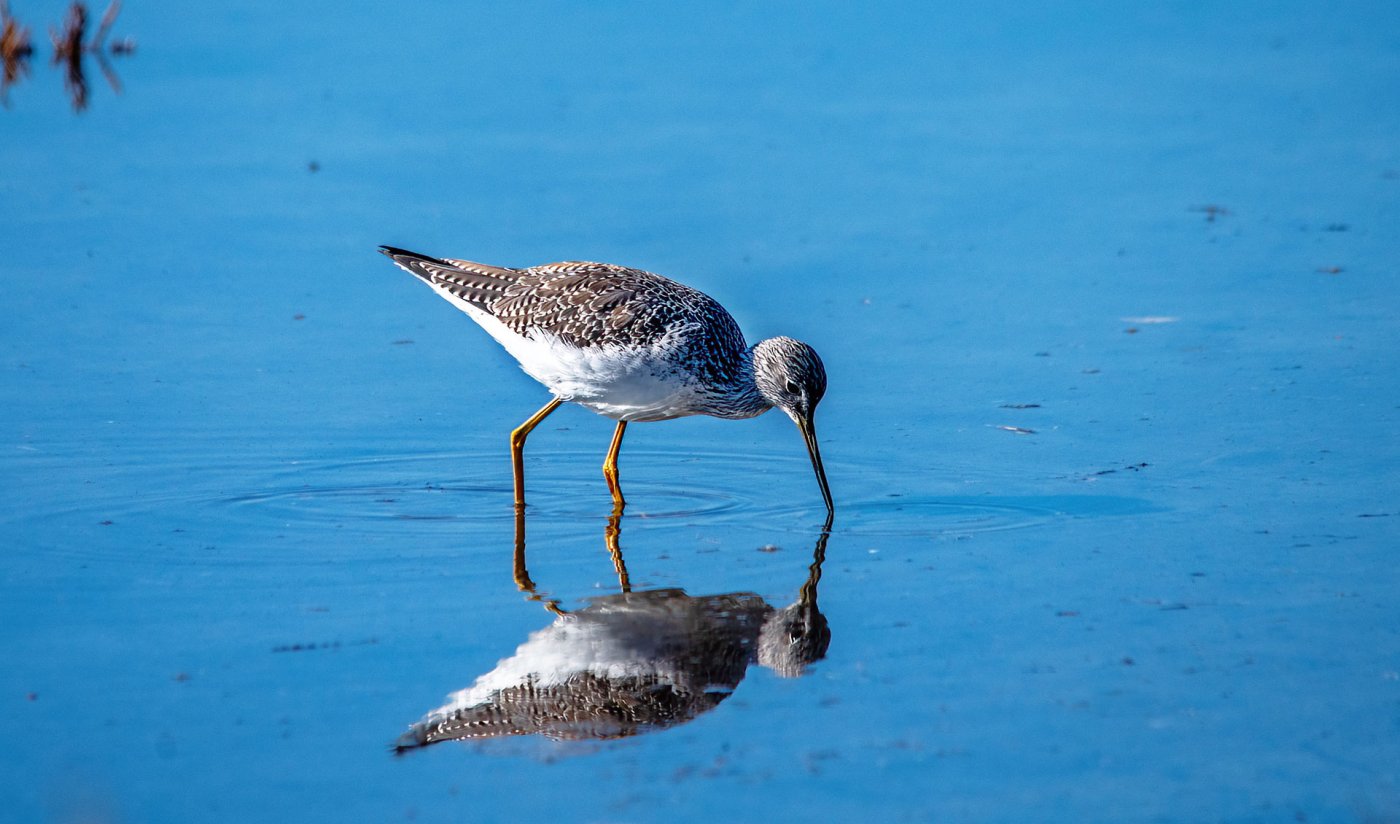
x: 610, y: 467
x: 517, y: 448
x: 611, y: 533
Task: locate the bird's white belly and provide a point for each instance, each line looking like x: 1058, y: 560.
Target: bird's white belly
x: 622, y: 383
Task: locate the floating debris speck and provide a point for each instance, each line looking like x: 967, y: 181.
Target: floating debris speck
x: 1212, y: 211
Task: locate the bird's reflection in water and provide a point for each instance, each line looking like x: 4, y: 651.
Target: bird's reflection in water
x: 630, y: 663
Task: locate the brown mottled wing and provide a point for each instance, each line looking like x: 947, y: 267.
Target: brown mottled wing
x: 593, y: 304
x: 597, y: 304
x: 586, y: 706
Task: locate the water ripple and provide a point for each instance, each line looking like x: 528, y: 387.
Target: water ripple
x: 408, y: 498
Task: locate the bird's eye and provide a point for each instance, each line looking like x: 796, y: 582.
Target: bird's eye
x: 791, y: 388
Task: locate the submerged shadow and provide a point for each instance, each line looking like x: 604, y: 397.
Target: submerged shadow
x: 629, y: 663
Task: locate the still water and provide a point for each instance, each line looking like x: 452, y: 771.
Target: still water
x: 1107, y: 297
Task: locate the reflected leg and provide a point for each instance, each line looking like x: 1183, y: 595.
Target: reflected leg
x: 517, y: 447
x: 610, y: 468
x: 522, y: 575
x: 611, y: 533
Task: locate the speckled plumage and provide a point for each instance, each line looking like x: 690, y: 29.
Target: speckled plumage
x: 625, y: 664
x: 586, y: 304
x: 632, y: 663
x: 587, y: 706
x: 627, y: 344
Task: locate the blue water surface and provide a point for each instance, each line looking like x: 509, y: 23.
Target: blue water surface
x: 1107, y: 295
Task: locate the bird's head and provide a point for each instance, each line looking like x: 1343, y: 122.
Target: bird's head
x: 791, y: 377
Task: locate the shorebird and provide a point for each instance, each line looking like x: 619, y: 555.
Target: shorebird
x: 629, y: 345
x: 631, y: 662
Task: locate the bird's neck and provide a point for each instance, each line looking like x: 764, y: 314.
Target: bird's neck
x: 740, y: 398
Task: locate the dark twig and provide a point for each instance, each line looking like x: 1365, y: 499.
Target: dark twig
x: 70, y: 45
x: 15, y: 50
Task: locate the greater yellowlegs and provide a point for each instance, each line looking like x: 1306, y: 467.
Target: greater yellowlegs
x: 631, y: 662
x: 629, y: 345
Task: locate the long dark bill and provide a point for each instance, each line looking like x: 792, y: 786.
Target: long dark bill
x: 809, y: 434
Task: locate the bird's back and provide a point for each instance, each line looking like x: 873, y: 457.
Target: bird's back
x: 598, y: 304
x: 586, y: 305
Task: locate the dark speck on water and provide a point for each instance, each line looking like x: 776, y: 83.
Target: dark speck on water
x: 1211, y: 211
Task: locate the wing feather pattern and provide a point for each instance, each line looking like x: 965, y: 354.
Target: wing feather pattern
x: 586, y: 304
